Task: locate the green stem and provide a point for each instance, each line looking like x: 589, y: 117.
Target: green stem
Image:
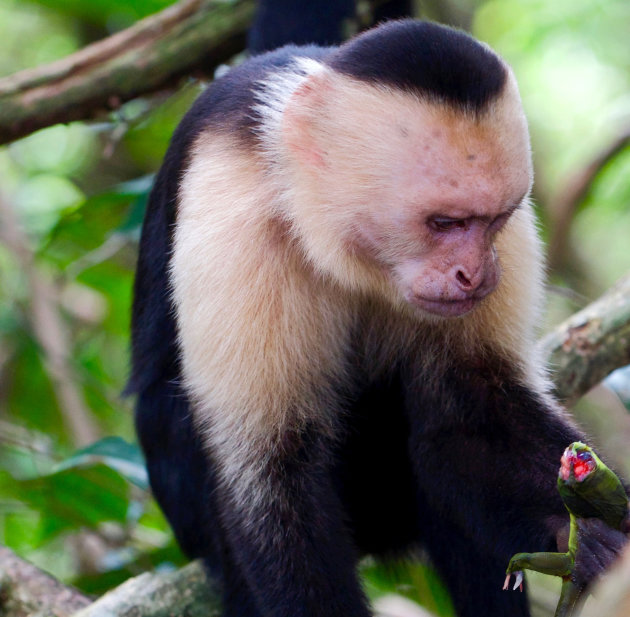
x: 570, y: 593
x: 554, y: 564
x: 569, y: 598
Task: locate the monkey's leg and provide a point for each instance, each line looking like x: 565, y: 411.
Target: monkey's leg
x: 472, y: 576
x: 285, y: 530
x: 179, y: 472
x: 238, y: 599
x: 184, y: 483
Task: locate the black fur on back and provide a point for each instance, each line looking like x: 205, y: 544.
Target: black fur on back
x: 229, y: 106
x: 324, y: 22
x: 427, y: 59
x: 278, y: 22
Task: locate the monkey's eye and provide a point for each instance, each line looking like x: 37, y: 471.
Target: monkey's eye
x: 446, y: 224
x: 499, y: 222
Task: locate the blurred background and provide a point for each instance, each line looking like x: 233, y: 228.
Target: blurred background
x: 73, y: 494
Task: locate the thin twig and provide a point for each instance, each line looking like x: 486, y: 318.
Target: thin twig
x: 49, y: 331
x: 565, y: 203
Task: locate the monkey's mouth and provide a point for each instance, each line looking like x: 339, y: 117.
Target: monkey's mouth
x: 446, y: 308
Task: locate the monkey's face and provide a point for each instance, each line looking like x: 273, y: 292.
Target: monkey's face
x: 457, y: 188
x: 452, y: 188
x: 417, y: 190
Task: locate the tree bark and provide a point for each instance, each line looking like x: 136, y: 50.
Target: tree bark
x: 192, y: 35
x: 27, y: 591
x: 187, y: 592
x: 589, y: 345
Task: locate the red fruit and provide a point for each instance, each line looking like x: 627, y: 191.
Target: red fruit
x: 582, y: 464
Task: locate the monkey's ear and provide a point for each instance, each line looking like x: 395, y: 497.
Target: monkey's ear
x: 303, y: 118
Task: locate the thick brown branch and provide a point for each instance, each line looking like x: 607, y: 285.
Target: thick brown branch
x: 591, y: 344
x: 26, y: 590
x: 192, y: 35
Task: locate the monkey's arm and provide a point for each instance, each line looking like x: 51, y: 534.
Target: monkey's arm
x: 591, y: 492
x: 490, y: 449
x: 261, y: 348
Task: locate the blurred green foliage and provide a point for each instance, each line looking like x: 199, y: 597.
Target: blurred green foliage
x: 79, y: 192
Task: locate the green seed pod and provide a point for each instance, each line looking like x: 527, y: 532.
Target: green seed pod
x: 590, y: 489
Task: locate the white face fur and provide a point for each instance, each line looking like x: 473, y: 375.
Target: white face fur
x: 414, y: 190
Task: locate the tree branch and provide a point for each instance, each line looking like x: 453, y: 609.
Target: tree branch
x: 566, y: 201
x: 589, y: 345
x: 192, y: 35
x: 26, y: 590
x: 187, y: 591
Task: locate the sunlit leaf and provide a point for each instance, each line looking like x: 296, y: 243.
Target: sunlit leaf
x: 415, y: 580
x: 116, y: 453
x: 77, y: 497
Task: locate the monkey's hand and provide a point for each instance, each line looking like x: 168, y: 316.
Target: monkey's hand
x: 597, y: 500
x: 597, y: 546
x: 600, y: 518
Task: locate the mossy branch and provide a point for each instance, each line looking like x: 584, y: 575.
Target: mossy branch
x: 26, y: 590
x: 190, y: 36
x: 591, y: 344
x: 188, y: 592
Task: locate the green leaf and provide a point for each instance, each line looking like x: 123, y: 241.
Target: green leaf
x: 115, y: 453
x: 87, y: 227
x: 414, y: 580
x: 76, y: 497
x: 165, y: 557
x: 116, y: 14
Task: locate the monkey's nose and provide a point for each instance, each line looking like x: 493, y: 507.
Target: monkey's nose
x: 469, y: 282
x: 463, y: 280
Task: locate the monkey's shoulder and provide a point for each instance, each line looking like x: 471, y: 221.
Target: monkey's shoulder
x: 227, y: 106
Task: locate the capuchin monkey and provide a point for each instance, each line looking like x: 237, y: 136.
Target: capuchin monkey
x: 333, y: 328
